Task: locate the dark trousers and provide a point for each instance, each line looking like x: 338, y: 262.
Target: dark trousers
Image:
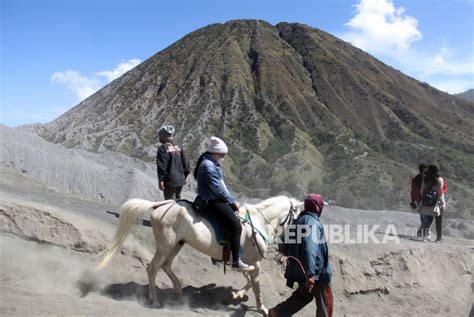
x: 225, y: 215
x: 172, y: 192
x: 301, y: 297
x: 428, y: 220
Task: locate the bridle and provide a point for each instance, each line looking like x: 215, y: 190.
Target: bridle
x: 289, y: 218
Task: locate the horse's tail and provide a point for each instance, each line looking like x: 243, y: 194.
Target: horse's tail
x: 130, y: 211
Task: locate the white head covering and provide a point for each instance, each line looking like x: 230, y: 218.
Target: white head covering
x: 217, y: 146
x: 166, y: 132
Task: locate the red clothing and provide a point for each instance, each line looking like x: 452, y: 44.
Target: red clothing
x: 416, y: 188
x: 444, y: 189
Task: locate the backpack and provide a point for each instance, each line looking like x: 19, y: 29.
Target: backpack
x: 416, y: 183
x: 429, y: 196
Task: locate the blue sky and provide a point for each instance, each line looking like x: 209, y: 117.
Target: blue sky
x: 54, y: 53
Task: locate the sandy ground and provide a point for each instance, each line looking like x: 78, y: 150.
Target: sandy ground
x: 53, y: 225
x: 50, y: 242
x: 39, y: 279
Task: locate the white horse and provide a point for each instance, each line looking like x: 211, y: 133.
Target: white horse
x: 175, y: 223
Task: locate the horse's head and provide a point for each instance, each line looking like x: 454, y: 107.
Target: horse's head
x: 277, y: 212
x: 294, y: 210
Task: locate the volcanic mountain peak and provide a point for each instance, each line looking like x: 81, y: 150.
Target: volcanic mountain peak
x: 300, y: 109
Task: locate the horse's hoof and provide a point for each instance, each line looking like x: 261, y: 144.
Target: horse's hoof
x: 263, y: 310
x: 237, y: 295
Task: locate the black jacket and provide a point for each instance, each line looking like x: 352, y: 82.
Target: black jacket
x: 172, y: 166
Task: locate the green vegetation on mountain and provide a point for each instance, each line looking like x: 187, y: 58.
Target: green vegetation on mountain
x: 300, y: 110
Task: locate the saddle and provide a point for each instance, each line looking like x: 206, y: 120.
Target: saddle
x: 222, y: 233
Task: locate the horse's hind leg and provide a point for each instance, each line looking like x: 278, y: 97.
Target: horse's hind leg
x: 167, y: 268
x: 152, y: 269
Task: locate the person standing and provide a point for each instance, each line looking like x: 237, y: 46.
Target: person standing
x: 172, y: 166
x: 433, y: 202
x: 212, y: 190
x: 415, y: 194
x: 308, y: 264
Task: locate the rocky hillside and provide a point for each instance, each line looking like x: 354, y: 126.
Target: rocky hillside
x: 301, y: 110
x: 467, y: 95
x: 107, y: 177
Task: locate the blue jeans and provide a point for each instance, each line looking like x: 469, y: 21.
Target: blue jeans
x: 421, y: 233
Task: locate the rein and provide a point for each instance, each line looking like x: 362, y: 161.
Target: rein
x: 290, y: 257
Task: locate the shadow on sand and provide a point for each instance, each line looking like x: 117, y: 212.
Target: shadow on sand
x: 194, y: 298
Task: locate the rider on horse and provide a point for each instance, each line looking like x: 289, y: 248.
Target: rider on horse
x: 212, y: 189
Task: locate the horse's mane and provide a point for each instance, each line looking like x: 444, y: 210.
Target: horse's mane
x: 253, y: 208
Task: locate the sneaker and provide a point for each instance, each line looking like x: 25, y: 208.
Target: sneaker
x: 242, y: 267
x: 439, y: 240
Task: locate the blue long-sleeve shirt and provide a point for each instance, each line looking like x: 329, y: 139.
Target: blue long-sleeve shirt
x: 312, y: 252
x: 210, y: 181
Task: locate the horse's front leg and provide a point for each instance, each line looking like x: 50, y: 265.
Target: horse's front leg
x: 240, y: 293
x: 254, y: 277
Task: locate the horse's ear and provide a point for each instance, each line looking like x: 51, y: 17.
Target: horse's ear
x: 246, y: 208
x: 298, y: 204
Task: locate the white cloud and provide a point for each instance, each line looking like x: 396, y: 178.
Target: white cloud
x: 453, y: 86
x: 422, y: 65
x: 444, y: 62
x: 119, y: 70
x: 387, y: 32
x: 380, y: 27
x: 81, y: 85
x: 84, y: 86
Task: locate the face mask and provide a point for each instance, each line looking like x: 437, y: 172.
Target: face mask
x: 218, y: 157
